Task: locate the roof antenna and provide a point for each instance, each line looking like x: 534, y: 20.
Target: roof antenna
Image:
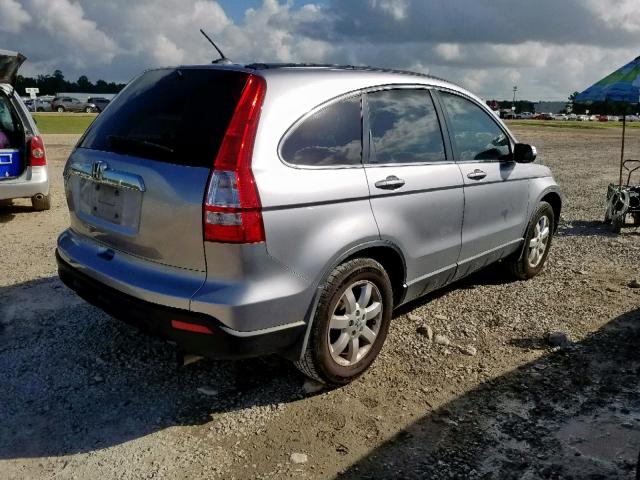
x: 224, y: 60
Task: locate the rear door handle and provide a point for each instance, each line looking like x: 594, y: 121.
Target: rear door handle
x: 477, y: 174
x: 390, y: 183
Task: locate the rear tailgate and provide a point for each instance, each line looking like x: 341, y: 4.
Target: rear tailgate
x: 137, y: 180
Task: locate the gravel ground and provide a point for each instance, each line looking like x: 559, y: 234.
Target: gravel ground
x: 84, y: 396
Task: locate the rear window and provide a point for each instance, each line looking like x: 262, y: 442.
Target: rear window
x: 177, y: 116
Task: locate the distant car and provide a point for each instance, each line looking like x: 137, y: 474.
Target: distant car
x: 560, y: 116
x: 602, y: 118
x: 99, y: 102
x: 613, y: 118
x: 71, y: 104
x: 524, y: 115
x: 633, y: 118
x: 543, y: 116
x: 38, y: 105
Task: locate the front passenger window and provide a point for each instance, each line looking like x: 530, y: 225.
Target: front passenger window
x: 476, y: 135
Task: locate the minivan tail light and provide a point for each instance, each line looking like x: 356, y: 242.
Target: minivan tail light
x: 37, y: 155
x: 232, y: 211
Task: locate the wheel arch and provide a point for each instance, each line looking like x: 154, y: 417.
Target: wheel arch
x: 554, y: 199
x: 386, y: 253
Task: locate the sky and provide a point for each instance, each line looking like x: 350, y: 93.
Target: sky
x: 548, y: 48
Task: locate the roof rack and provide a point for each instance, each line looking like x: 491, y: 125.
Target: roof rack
x: 363, y: 68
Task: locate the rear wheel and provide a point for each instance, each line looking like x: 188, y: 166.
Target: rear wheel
x: 41, y: 202
x: 350, y: 324
x: 60, y: 109
x: 88, y: 110
x: 529, y: 262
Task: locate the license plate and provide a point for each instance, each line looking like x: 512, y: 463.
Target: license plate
x: 100, y: 203
x: 107, y: 203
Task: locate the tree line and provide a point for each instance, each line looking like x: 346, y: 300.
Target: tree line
x: 55, y: 83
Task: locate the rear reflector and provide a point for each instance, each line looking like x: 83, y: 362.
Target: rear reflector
x: 37, y: 155
x: 190, y: 327
x: 232, y: 209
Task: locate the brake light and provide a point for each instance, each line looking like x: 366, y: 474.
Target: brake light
x: 232, y: 211
x: 37, y: 155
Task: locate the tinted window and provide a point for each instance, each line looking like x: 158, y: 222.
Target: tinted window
x: 174, y: 115
x: 7, y: 119
x: 404, y: 127
x: 476, y: 134
x: 329, y: 137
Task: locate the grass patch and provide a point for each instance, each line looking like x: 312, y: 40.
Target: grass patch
x: 75, y: 123
x: 570, y: 124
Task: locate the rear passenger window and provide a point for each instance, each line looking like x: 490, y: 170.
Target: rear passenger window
x: 404, y: 127
x: 476, y: 135
x: 329, y: 137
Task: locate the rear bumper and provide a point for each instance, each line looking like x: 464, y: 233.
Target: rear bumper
x: 222, y: 342
x: 33, y: 180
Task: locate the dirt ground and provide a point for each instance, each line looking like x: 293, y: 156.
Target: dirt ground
x: 83, y: 396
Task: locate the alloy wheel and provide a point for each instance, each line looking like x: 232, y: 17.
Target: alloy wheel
x: 539, y: 241
x: 355, y: 323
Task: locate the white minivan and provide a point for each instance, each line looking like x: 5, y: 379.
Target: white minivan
x: 23, y: 162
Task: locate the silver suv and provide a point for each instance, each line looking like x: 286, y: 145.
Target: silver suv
x: 23, y: 162
x: 246, y: 210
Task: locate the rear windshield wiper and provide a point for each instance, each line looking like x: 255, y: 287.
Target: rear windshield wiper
x: 140, y: 142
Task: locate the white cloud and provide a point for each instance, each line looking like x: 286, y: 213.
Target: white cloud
x: 396, y: 8
x: 548, y: 48
x: 12, y: 16
x: 66, y: 21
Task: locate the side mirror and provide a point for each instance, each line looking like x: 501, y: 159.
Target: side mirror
x: 524, y: 153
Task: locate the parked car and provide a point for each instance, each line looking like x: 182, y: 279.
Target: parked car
x: 23, y: 161
x: 38, y: 105
x: 276, y: 225
x: 544, y: 116
x: 524, y: 115
x: 560, y: 116
x: 98, y: 102
x: 71, y: 104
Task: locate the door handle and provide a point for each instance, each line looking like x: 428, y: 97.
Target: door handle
x: 477, y: 174
x: 390, y: 183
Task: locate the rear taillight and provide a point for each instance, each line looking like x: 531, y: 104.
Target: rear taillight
x: 37, y: 155
x: 232, y: 210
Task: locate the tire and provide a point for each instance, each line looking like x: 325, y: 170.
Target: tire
x: 88, y: 110
x: 41, y: 202
x: 59, y: 109
x: 343, y: 366
x: 523, y: 265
